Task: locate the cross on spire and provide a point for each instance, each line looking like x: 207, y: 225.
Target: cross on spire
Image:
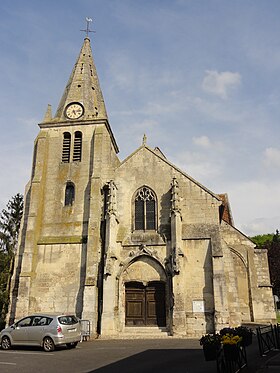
x: 87, y: 30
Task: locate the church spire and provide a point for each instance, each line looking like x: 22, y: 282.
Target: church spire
x: 82, y: 90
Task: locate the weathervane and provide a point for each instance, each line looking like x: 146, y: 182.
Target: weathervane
x: 87, y: 31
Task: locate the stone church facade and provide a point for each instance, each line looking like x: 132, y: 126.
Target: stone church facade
x: 130, y: 245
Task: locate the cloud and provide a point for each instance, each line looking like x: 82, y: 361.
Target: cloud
x: 271, y: 157
x: 211, y: 148
x: 220, y: 84
x: 263, y: 225
x: 202, y: 141
x: 130, y: 135
x: 255, y: 208
x: 201, y: 166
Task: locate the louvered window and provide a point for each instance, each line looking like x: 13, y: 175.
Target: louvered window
x: 145, y: 209
x: 69, y: 194
x: 77, y: 153
x: 66, y: 147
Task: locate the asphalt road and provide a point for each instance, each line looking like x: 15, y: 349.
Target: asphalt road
x: 114, y: 356
x: 164, y: 355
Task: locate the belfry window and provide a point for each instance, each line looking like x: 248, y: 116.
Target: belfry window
x: 145, y: 209
x: 69, y: 194
x: 77, y: 153
x: 66, y: 147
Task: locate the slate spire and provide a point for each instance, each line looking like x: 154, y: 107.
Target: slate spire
x: 83, y: 88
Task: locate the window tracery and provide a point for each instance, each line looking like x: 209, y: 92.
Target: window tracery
x: 145, y: 209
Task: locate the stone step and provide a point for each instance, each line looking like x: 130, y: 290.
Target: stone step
x: 145, y: 332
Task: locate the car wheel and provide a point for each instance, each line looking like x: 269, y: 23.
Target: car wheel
x: 6, y: 343
x: 71, y: 345
x: 48, y: 344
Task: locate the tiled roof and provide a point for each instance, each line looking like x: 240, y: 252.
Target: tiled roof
x: 225, y: 209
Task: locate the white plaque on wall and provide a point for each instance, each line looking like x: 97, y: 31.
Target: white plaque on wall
x: 198, y: 305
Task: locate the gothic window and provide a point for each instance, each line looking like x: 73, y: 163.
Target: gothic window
x: 66, y: 147
x: 69, y: 194
x: 145, y: 209
x: 77, y: 153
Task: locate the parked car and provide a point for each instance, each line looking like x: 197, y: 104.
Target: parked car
x: 45, y: 330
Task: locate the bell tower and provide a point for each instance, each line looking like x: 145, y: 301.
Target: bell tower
x: 75, y: 155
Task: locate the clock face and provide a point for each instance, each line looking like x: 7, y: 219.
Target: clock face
x: 74, y: 111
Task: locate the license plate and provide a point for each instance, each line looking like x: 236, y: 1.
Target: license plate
x: 71, y: 330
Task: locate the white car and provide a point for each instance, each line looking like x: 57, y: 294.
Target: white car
x: 45, y: 330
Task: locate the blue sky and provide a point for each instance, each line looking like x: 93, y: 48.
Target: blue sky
x: 200, y: 77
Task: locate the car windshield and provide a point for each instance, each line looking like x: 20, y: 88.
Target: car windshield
x: 68, y: 320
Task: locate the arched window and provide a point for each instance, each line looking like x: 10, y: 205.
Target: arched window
x: 69, y: 194
x: 66, y: 147
x: 77, y: 153
x: 145, y: 209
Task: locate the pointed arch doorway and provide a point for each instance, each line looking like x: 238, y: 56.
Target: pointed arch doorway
x: 145, y: 305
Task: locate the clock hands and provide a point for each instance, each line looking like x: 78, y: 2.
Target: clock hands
x: 74, y: 111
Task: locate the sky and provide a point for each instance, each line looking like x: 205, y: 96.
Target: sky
x: 201, y: 78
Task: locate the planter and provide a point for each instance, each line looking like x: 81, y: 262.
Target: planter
x: 246, y: 339
x: 210, y: 351
x: 246, y: 334
x: 231, y: 352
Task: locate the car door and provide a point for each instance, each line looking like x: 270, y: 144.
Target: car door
x: 20, y: 332
x: 36, y: 330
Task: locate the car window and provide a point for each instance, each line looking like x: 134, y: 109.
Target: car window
x: 36, y: 320
x: 41, y: 321
x: 68, y: 320
x: 24, y: 322
x: 45, y: 321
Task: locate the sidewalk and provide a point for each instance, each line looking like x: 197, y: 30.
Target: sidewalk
x: 173, y: 355
x: 261, y: 364
x: 272, y: 364
x: 255, y: 362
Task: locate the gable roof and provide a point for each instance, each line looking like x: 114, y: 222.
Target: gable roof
x: 159, y: 152
x: 226, y: 210
x: 160, y: 155
x: 237, y: 231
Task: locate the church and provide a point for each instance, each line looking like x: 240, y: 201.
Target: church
x: 135, y: 245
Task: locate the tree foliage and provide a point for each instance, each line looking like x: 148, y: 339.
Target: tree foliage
x: 10, y: 223
x: 10, y: 219
x: 262, y: 239
x: 271, y: 242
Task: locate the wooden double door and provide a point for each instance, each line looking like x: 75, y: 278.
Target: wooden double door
x: 145, y: 305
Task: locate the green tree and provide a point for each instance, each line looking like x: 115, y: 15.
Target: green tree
x: 10, y: 219
x: 273, y: 253
x: 262, y: 239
